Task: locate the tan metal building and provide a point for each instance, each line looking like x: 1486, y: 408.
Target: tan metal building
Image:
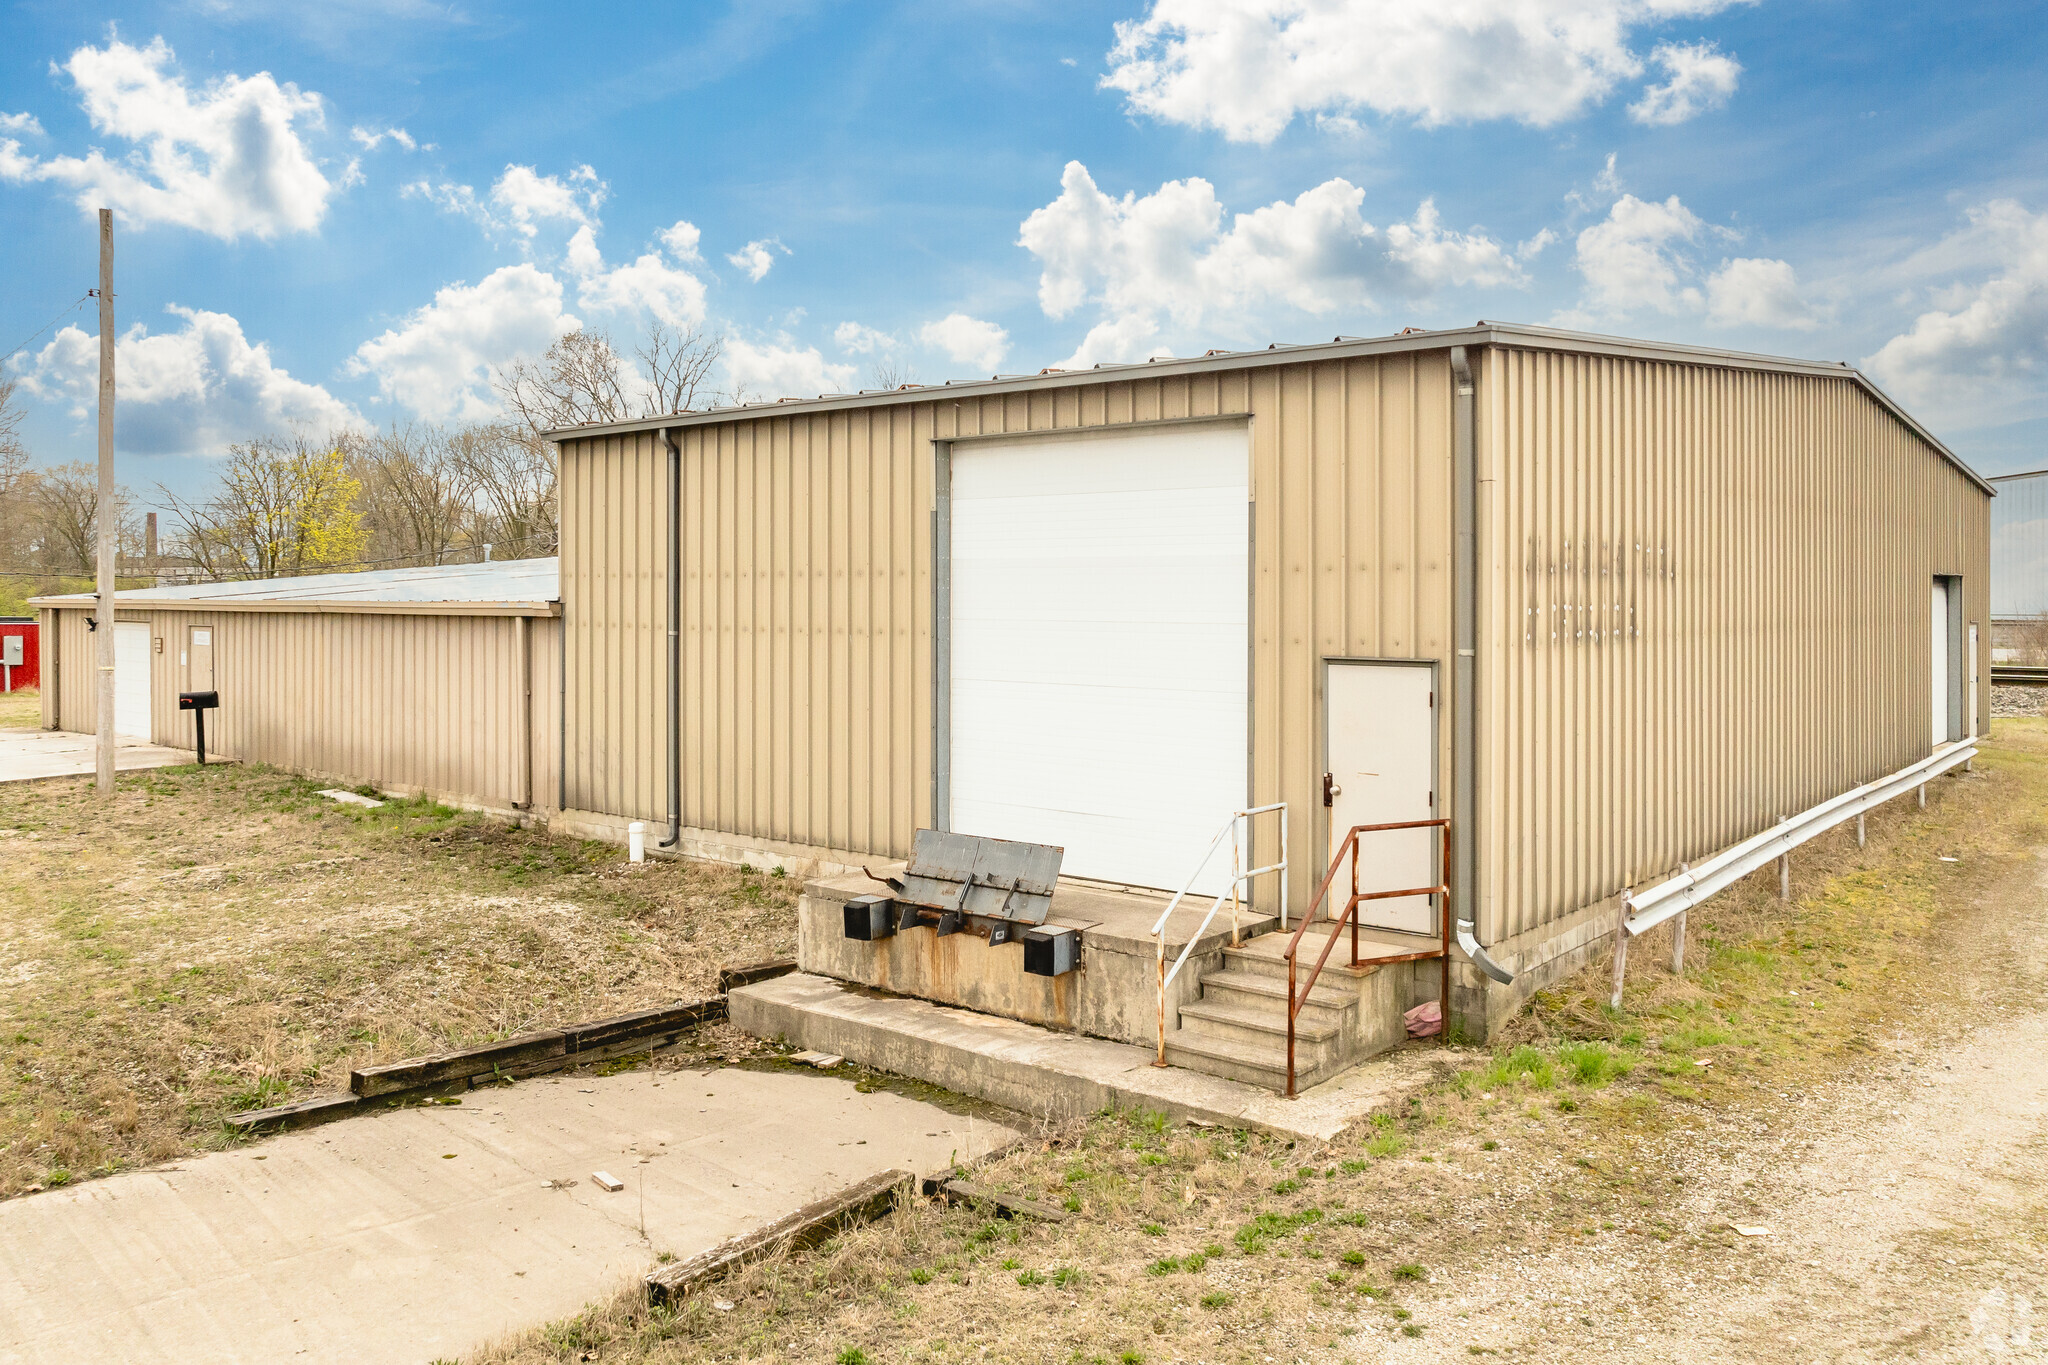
x: 436, y: 680
x: 1648, y: 597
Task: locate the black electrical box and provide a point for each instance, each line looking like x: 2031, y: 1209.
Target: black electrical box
x: 870, y: 917
x: 199, y: 701
x: 1051, y: 952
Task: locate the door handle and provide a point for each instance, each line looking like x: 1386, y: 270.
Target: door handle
x: 1331, y: 791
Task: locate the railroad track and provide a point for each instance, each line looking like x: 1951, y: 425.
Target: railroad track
x: 2020, y: 675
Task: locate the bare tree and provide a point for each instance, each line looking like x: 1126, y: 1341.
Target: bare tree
x: 678, y: 367
x: 890, y: 373
x: 512, y: 488
x: 418, y: 491
x: 64, y: 503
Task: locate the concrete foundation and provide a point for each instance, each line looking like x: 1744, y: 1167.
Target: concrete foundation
x: 1114, y: 994
x: 1049, y: 1074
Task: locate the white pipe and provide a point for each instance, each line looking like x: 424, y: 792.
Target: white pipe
x: 636, y: 842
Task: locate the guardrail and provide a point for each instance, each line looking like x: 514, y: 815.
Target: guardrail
x: 2020, y: 675
x: 1642, y: 911
x: 1238, y: 827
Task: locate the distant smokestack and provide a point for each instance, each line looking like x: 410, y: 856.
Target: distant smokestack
x: 149, y: 540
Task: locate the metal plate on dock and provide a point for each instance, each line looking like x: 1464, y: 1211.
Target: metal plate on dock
x: 976, y: 875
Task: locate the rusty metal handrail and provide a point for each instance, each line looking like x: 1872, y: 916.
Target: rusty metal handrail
x: 1297, y: 998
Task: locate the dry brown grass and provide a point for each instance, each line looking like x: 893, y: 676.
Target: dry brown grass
x: 21, y: 709
x: 223, y: 939
x: 1578, y: 1130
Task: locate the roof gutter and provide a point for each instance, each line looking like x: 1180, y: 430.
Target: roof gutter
x: 1464, y: 667
x: 675, y: 641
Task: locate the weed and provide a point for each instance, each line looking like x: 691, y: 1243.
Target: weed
x: 1030, y: 1278
x: 1217, y: 1298
x: 921, y: 1275
x: 1410, y: 1271
x: 1165, y: 1265
x: 1385, y: 1144
x: 852, y: 1355
x: 1412, y: 1329
x: 1353, y: 1258
x: 1489, y: 1146
x: 1154, y: 1230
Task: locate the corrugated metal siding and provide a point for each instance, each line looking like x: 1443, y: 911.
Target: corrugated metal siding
x: 2019, y: 546
x: 1706, y: 607
x: 404, y: 701
x: 807, y: 589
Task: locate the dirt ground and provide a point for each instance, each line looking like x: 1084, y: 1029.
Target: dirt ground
x: 222, y: 939
x: 1823, y: 1142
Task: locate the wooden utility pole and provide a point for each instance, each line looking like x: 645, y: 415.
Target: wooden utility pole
x: 103, y: 651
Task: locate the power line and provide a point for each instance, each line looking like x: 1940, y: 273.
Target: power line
x: 45, y: 327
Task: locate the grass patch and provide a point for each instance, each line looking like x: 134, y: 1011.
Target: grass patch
x: 211, y: 941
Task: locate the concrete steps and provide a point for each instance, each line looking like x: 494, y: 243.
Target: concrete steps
x: 1238, y: 1028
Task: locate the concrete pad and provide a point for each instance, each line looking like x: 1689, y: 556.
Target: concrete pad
x: 1044, y: 1072
x: 417, y: 1234
x: 30, y: 755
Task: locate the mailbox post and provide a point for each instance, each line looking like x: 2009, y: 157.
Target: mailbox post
x: 199, y: 703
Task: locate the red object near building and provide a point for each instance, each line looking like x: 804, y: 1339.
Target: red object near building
x: 20, y: 659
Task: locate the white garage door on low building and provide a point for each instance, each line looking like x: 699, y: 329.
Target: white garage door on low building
x: 1099, y: 643
x: 131, y: 679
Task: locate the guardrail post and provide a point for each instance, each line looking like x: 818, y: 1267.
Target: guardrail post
x: 1923, y: 796
x: 1678, y: 944
x: 1859, y: 829
x: 1784, y: 876
x: 1620, y: 947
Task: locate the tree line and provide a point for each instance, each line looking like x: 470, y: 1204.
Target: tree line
x: 412, y: 494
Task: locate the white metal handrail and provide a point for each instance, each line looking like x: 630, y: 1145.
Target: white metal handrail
x: 1238, y: 829
x: 1645, y: 910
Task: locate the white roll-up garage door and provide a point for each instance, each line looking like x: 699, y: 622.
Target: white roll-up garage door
x: 1099, y: 639
x: 131, y: 679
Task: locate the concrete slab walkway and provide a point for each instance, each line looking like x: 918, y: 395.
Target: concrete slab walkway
x: 416, y: 1235
x: 1044, y: 1071
x: 29, y: 755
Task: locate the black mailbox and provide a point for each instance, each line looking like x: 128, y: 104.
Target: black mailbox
x: 199, y: 703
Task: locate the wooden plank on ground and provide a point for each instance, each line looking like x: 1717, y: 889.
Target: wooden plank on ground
x: 1002, y: 1205
x: 578, y: 1038
x: 415, y: 1072
x: 808, y: 1226
x: 731, y: 977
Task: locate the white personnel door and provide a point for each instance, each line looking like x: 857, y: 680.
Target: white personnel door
x: 1099, y: 642
x: 131, y: 679
x: 1381, y: 724
x: 1939, y: 681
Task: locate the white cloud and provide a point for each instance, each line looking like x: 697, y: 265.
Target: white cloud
x: 782, y: 369
x: 1642, y: 256
x: 228, y: 159
x: 522, y: 199
x: 1702, y: 78
x: 192, y: 390
x: 756, y: 257
x: 372, y: 138
x: 1752, y: 291
x: 1981, y: 354
x: 1632, y: 259
x: 670, y: 293
x: 438, y: 362
x: 530, y: 198
x: 681, y: 241
x: 24, y: 124
x: 1169, y: 254
x: 967, y: 341
x: 862, y: 339
x: 1249, y: 67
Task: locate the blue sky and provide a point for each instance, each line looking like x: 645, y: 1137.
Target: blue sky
x: 348, y: 214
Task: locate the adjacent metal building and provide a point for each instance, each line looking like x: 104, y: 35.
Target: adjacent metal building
x: 436, y: 680
x: 1636, y: 601
x: 2019, y: 547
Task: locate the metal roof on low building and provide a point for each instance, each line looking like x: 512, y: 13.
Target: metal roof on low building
x: 510, y: 586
